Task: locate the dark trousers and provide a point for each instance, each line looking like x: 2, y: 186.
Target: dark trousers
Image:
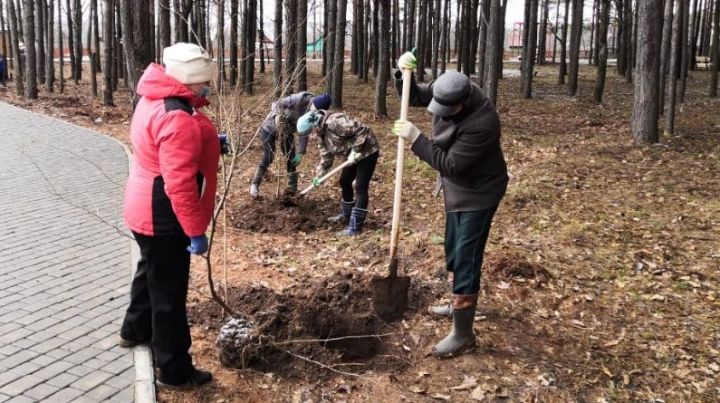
x: 466, y: 234
x: 361, y: 173
x: 269, y: 138
x: 157, y: 303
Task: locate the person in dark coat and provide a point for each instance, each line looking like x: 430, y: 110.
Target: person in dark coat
x: 3, y: 70
x: 465, y: 150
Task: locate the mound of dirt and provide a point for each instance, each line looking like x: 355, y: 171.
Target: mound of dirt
x: 515, y: 266
x: 324, y: 321
x: 278, y: 215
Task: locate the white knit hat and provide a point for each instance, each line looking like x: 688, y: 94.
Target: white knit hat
x: 188, y: 63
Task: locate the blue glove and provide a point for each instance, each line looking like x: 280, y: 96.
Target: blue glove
x: 224, y: 146
x: 198, y: 245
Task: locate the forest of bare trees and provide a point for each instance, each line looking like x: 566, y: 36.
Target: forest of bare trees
x: 654, y: 44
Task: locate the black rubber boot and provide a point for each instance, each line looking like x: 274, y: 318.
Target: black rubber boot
x: 197, y: 378
x: 461, y: 336
x: 356, y: 224
x: 255, y: 182
x: 292, y: 186
x: 345, y: 211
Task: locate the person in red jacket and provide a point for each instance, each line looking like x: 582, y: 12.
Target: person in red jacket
x: 169, y: 201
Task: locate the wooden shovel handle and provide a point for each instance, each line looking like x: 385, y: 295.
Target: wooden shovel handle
x: 326, y: 176
x: 397, y: 198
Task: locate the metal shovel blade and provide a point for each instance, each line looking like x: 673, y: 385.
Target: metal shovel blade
x: 390, y: 294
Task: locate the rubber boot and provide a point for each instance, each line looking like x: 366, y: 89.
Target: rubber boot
x: 356, y: 224
x: 461, y: 336
x: 446, y: 309
x: 292, y: 186
x: 345, y: 211
x: 255, y: 182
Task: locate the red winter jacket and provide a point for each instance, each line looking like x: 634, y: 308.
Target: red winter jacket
x: 173, y: 178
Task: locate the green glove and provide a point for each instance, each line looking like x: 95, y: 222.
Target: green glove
x: 316, y: 182
x: 296, y: 159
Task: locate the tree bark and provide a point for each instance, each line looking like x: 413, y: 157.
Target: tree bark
x: 15, y: 43
x: 339, y: 54
x: 291, y: 56
x: 301, y: 50
x: 77, y: 22
x: 685, y: 52
x: 675, y: 60
x: 135, y: 24
x: 715, y: 52
x: 555, y: 31
x: 61, y: 74
x: 277, y: 52
x: 493, y: 52
x: 542, y: 43
x: 92, y: 46
x: 436, y: 38
x: 262, y: 38
x: 645, y: 108
x: 563, y: 45
x: 50, y: 61
x: 221, y: 44
x: 665, y: 50
x: 108, y: 56
x: 31, y: 90
x: 251, y: 27
x: 482, y: 41
x: 445, y: 41
x: 165, y: 32
x: 234, y: 43
x: 40, y: 39
x: 330, y: 44
x: 575, y: 38
x: 603, y: 21
x: 71, y: 41
x: 530, y: 51
x: 384, y: 58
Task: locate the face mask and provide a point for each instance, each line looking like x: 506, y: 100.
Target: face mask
x: 204, y: 92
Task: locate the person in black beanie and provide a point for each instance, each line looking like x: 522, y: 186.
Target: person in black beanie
x: 465, y: 150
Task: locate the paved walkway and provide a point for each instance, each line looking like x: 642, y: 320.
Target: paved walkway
x: 64, y: 263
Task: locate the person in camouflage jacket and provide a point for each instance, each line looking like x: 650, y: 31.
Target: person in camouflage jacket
x: 281, y: 122
x: 340, y: 135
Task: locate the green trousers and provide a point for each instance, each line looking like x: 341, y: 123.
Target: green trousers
x: 466, y: 234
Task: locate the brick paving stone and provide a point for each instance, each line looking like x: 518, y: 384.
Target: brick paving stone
x: 64, y: 275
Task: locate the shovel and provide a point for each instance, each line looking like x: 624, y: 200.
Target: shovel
x: 390, y: 294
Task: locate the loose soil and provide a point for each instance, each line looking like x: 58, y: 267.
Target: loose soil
x: 600, y: 280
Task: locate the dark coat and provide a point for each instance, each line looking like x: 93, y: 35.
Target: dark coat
x: 465, y: 150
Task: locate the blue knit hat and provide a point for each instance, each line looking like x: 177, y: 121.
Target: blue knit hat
x: 322, y: 101
x: 307, y: 122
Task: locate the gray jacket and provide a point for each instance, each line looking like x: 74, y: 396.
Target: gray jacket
x: 465, y: 150
x: 289, y: 110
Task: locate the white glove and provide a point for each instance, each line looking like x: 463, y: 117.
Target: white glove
x: 407, y: 61
x: 406, y: 130
x: 354, y: 157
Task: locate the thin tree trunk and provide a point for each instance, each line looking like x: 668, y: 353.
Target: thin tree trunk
x: 493, y: 51
x: 262, y: 37
x: 221, y: 44
x: 291, y: 57
x: 629, y: 42
x: 675, y: 60
x: 339, y: 54
x: 686, y: 36
x: 665, y: 50
x: 165, y: 32
x: 330, y: 45
x: 384, y: 58
x: 444, y: 41
x: 715, y: 52
x: 301, y: 50
x: 376, y: 43
x: 370, y: 43
x: 15, y: 40
x: 71, y: 41
x: 31, y: 90
x: 542, y: 44
x: 250, y: 46
x: 92, y: 47
x: 77, y: 22
x: 575, y: 38
x: 693, y: 35
x: 277, y: 52
x: 563, y: 45
x: 108, y: 13
x: 50, y: 61
x: 603, y: 21
x: 555, y: 31
x: 234, y: 42
x: 530, y: 51
x: 420, y: 41
x: 40, y: 39
x: 593, y: 23
x: 436, y: 38
x: 482, y: 41
x: 61, y: 74
x: 645, y: 108
x: 396, y: 30
x: 501, y: 40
